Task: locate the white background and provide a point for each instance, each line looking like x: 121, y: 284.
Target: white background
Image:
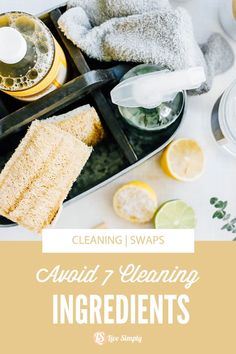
x: 220, y: 174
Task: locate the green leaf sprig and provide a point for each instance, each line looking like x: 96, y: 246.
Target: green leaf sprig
x: 222, y: 214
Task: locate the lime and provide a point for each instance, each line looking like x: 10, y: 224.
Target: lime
x: 175, y: 214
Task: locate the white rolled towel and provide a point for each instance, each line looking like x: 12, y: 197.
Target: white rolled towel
x: 143, y: 31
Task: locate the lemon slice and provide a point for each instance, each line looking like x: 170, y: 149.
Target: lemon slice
x: 136, y: 202
x: 183, y: 160
x: 175, y: 214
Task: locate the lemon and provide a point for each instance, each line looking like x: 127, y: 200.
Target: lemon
x: 183, y: 160
x: 175, y: 214
x: 135, y: 201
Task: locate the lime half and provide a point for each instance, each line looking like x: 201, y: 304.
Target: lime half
x: 175, y: 214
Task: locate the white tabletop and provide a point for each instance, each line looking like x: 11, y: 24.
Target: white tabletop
x: 220, y: 172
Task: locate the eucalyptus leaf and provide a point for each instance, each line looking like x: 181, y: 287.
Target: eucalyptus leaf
x: 225, y: 227
x: 224, y: 205
x: 219, y: 214
x: 215, y: 215
x: 230, y: 228
x: 213, y: 200
x: 222, y: 214
x: 227, y: 217
x: 219, y: 204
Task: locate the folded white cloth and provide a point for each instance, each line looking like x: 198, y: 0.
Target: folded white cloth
x: 142, y: 31
x: 99, y: 11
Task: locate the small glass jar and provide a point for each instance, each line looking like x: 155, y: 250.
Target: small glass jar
x: 155, y: 119
x: 224, y: 120
x: 34, y: 64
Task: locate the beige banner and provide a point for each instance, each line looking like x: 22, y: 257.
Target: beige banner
x: 26, y: 305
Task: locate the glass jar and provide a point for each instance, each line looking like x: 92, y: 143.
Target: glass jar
x: 154, y: 119
x: 227, y: 16
x: 32, y: 62
x: 224, y: 120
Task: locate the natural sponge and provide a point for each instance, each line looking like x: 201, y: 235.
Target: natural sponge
x: 39, y: 175
x: 82, y: 122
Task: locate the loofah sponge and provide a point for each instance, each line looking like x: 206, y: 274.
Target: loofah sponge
x: 40, y: 174
x: 83, y: 123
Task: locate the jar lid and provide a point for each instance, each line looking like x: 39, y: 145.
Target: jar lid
x: 151, y: 89
x: 26, y: 51
x: 13, y: 45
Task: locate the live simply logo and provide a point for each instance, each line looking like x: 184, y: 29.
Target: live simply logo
x: 100, y: 338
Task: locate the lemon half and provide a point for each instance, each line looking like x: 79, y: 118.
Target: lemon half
x: 135, y: 201
x: 183, y: 160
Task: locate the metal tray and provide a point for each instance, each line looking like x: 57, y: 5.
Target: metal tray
x: 90, y: 81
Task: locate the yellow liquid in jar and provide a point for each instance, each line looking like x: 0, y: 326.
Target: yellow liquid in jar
x: 44, y: 66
